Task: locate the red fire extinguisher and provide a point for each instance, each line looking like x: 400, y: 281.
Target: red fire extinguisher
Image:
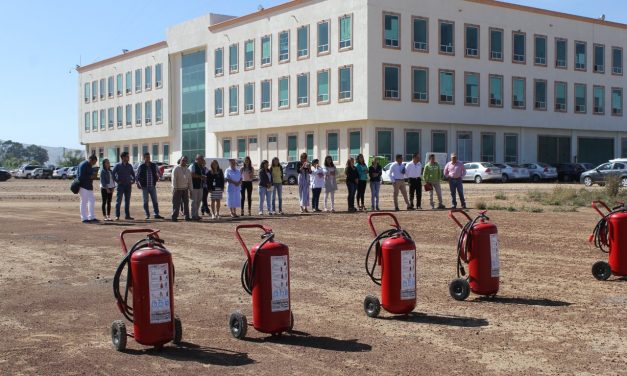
x: 610, y: 232
x: 395, y: 252
x: 477, y: 246
x: 265, y: 276
x: 149, y: 279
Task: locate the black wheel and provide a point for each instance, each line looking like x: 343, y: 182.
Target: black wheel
x: 587, y: 181
x: 292, y: 180
x: 623, y: 182
x: 118, y: 335
x: 372, y: 307
x: 459, y: 289
x: 535, y: 178
x: 504, y: 178
x: 601, y: 270
x: 178, y: 331
x: 64, y: 177
x: 478, y: 179
x: 238, y: 325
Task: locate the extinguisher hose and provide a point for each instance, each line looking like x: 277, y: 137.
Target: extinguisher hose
x: 248, y: 274
x: 376, y: 246
x: 463, y: 244
x: 600, y: 235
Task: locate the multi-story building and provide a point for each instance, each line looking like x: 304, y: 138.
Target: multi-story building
x: 488, y: 80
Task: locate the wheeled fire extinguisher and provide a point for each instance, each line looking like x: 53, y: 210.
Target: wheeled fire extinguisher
x: 610, y: 236
x: 477, y: 246
x: 149, y: 280
x: 266, y: 276
x: 395, y: 252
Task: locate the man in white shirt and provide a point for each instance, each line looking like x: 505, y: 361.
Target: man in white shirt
x: 397, y: 177
x: 181, y: 186
x: 414, y: 173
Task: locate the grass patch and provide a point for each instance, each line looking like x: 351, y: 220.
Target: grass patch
x: 577, y: 198
x: 565, y: 209
x: 500, y: 196
x: 481, y: 205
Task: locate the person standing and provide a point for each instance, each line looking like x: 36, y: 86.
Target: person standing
x: 455, y: 171
x: 414, y: 173
x: 85, y: 176
x: 147, y: 177
x: 330, y: 183
x: 374, y: 172
x: 233, y: 177
x: 197, y: 182
x: 265, y: 187
x: 352, y: 179
x: 362, y: 170
x: 277, y: 184
x: 317, y: 182
x: 205, y: 190
x: 181, y: 186
x: 124, y: 177
x: 247, y: 172
x: 106, y: 189
x: 304, y: 170
x: 432, y: 176
x: 397, y: 177
x: 215, y: 182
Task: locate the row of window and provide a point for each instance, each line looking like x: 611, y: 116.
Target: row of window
x: 323, y: 93
x: 345, y: 42
x: 472, y: 47
x: 96, y: 89
x: 112, y: 117
x: 496, y: 97
x: 113, y: 154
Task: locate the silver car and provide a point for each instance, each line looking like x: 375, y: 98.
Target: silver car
x: 540, y: 171
x: 481, y: 171
x: 511, y: 171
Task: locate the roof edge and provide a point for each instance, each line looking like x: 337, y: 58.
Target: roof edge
x: 122, y: 56
x: 260, y: 13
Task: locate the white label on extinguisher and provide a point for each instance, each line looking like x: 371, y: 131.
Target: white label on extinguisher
x: 159, y: 290
x: 408, y: 275
x: 280, y: 283
x: 494, y: 252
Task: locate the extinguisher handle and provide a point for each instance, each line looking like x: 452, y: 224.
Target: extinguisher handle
x: 451, y: 215
x: 596, y: 204
x: 372, y: 215
x: 150, y: 232
x: 266, y: 230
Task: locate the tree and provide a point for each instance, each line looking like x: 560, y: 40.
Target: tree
x: 12, y: 154
x: 71, y: 158
x: 37, y: 154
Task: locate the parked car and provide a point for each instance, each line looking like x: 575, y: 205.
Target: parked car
x: 71, y: 173
x: 512, y: 171
x: 4, y: 175
x: 586, y: 166
x: 482, y: 171
x: 60, y: 173
x: 600, y: 174
x: 385, y: 173
x: 167, y: 173
x: 290, y: 175
x: 26, y: 171
x: 540, y: 171
x: 42, y: 173
x: 567, y: 172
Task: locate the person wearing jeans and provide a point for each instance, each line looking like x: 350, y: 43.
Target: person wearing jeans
x: 317, y: 182
x: 362, y: 170
x: 397, y: 177
x: 181, y: 186
x: 414, y: 173
x: 374, y: 171
x: 265, y: 187
x: 85, y: 176
x: 147, y: 177
x: 433, y: 175
x: 124, y: 176
x: 277, y: 185
x: 197, y: 183
x: 455, y: 171
x: 352, y: 178
x: 107, y: 185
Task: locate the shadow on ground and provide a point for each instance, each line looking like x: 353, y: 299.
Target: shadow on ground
x: 297, y: 338
x: 423, y: 318
x: 522, y: 301
x: 189, y: 352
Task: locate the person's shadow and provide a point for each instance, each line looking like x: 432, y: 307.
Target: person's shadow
x: 190, y: 352
x: 423, y: 318
x: 302, y: 339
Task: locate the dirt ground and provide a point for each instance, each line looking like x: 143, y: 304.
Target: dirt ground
x: 550, y: 317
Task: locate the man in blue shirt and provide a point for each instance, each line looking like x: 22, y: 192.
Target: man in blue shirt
x: 85, y: 176
x: 147, y: 177
x: 124, y: 176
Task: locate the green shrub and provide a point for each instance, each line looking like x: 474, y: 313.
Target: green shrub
x: 612, y: 186
x: 500, y: 196
x: 481, y: 205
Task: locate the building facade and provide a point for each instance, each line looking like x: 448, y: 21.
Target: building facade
x: 490, y: 81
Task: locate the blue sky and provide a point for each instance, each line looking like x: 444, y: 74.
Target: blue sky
x: 43, y: 40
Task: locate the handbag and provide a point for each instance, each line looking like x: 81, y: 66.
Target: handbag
x: 428, y: 187
x: 75, y: 186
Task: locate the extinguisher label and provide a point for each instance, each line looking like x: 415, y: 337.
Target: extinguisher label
x: 280, y: 283
x: 159, y: 289
x: 408, y: 275
x: 494, y: 251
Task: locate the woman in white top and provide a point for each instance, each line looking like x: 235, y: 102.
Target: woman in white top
x: 317, y: 182
x: 107, y: 184
x: 330, y: 183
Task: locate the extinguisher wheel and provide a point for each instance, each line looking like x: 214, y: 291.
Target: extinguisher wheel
x: 459, y: 289
x: 601, y: 270
x: 372, y: 306
x: 178, y: 331
x: 238, y: 325
x: 118, y: 335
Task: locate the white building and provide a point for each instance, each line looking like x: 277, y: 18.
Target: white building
x: 491, y: 81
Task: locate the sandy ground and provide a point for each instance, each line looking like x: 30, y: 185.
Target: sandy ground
x: 550, y: 317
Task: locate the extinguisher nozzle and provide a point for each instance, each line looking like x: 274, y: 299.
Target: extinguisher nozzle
x: 591, y: 238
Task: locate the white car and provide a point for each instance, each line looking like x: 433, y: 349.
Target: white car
x: 540, y: 171
x: 481, y: 171
x: 511, y: 171
x: 60, y: 173
x: 385, y: 174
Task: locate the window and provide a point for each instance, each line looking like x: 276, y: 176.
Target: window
x: 266, y: 97
x: 155, y: 152
x: 519, y: 50
x: 166, y: 153
x: 333, y: 147
x: 488, y: 147
x: 447, y: 87
x: 110, y: 121
x: 144, y: 149
x: 346, y: 32
x: 617, y: 60
x: 420, y: 84
x: 136, y: 153
x: 511, y: 148
x: 323, y: 86
x: 138, y: 113
x: 233, y: 100
x: 87, y: 119
x: 384, y: 144
x: 249, y: 54
x: 110, y: 87
x: 266, y: 50
x: 420, y: 34
x: 302, y: 89
x: 391, y: 82
x: 519, y: 93
x: 148, y: 78
x: 580, y: 56
x: 87, y: 92
x: 438, y: 142
x: 148, y: 112
x: 226, y: 148
x: 218, y: 61
x: 617, y: 102
x: 94, y: 120
x: 354, y: 143
x: 129, y: 82
x: 496, y: 90
x: 159, y: 110
x: 219, y: 101
x: 193, y: 117
x: 624, y: 148
x: 129, y: 115
x: 599, y: 58
x: 472, y: 41
x: 292, y: 148
x: 539, y: 95
x: 249, y: 97
x: 496, y: 44
x: 284, y: 92
x: 138, y: 80
x: 118, y: 115
x: 102, y: 88
x: 284, y: 46
x: 540, y: 50
x: 94, y: 90
x: 159, y: 76
x: 580, y: 98
x: 464, y: 146
x: 323, y: 37
x: 412, y: 144
x: 309, y: 144
x: 103, y: 120
x: 241, y: 148
x: 302, y: 42
x: 119, y: 84
x: 233, y: 58
x: 471, y: 84
x: 391, y: 30
x: 598, y: 100
x: 561, y: 53
x: 560, y: 96
x: 447, y: 37
x: 345, y: 83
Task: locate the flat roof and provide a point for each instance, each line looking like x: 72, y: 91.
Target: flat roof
x: 123, y: 56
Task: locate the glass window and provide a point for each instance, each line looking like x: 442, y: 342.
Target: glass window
x: 617, y: 102
x: 488, y: 147
x: 119, y: 116
x: 193, y: 104
x: 119, y: 84
x: 496, y: 91
x: 87, y: 119
x: 309, y: 145
x: 438, y: 142
x: 87, y: 92
x: 580, y: 55
x: 138, y: 113
x: 94, y: 120
x: 599, y: 58
x: 233, y: 58
x: 472, y: 40
x: 464, y: 146
x: 166, y: 153
x: 233, y: 100
x: 94, y: 90
x: 391, y: 84
x: 599, y: 100
x: 560, y: 96
x: 218, y: 61
x: 135, y: 153
x: 159, y: 75
x: 580, y: 98
x: 284, y: 92
x: 249, y: 54
x: 539, y: 95
x: 292, y: 148
x: 110, y: 121
x: 540, y: 49
x: 302, y: 41
x: 421, y: 34
x: 129, y: 82
x: 110, y: 87
x: 391, y: 32
x: 323, y: 86
x: 447, y: 87
x: 266, y: 97
x: 226, y: 148
x: 617, y: 60
x: 159, y: 110
x: 420, y: 84
x: 103, y: 119
x: 249, y: 97
x: 496, y: 44
x: 561, y: 54
x: 518, y: 92
x: 148, y: 78
x: 266, y: 50
x: 511, y: 148
x: 144, y: 149
x: 447, y: 37
x: 323, y: 37
x: 333, y: 147
x: 138, y: 80
x: 219, y: 101
x: 241, y: 148
x: 148, y: 112
x: 384, y: 144
x: 284, y: 46
x: 346, y: 84
x: 155, y: 152
x: 519, y: 49
x: 471, y: 90
x: 302, y: 89
x: 129, y: 115
x: 412, y: 144
x: 102, y: 88
x: 346, y: 31
x: 354, y: 143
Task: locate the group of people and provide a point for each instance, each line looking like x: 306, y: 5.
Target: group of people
x: 205, y: 186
